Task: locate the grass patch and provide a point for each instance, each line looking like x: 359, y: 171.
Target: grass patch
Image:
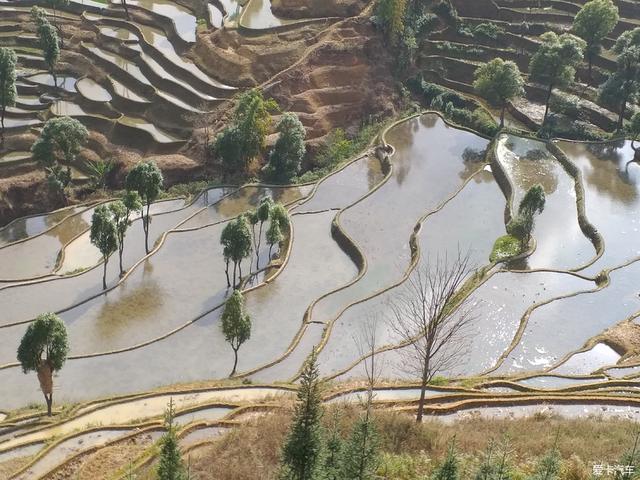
x: 505, y: 247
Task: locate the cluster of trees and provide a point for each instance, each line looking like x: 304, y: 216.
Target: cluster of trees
x: 8, y: 91
x: 243, y: 139
x: 555, y: 62
x: 521, y: 225
x: 239, y: 239
x: 56, y: 149
x: 110, y: 223
x: 49, y: 40
x: 312, y: 452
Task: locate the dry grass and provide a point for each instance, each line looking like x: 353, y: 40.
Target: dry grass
x: 252, y: 450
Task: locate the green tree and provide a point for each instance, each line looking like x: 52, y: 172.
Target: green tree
x: 48, y: 38
x: 595, y: 20
x: 121, y: 211
x: 99, y: 173
x: 263, y: 212
x: 236, y: 242
x: 499, y: 82
x: 274, y: 236
x: 146, y: 179
x: 280, y: 214
x: 392, y: 17
x: 170, y: 465
x: 236, y: 325
x: 301, y: 454
x: 38, y: 15
x: 44, y: 349
x: 548, y: 467
x: 60, y: 141
x: 623, y: 85
x: 450, y: 468
x: 360, y: 458
x: 56, y: 5
x: 244, y: 139
x: 104, y: 236
x: 8, y: 91
x: 289, y: 149
x: 555, y: 62
x: 332, y: 459
x: 523, y: 223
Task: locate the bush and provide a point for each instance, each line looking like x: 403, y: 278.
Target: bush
x: 505, y: 247
x: 445, y: 10
x: 490, y: 31
x: 567, y: 105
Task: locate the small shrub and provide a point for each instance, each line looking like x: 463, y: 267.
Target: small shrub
x: 505, y: 247
x: 439, y: 381
x: 490, y: 31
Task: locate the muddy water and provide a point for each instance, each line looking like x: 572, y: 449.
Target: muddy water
x: 64, y: 81
x: 158, y: 135
x: 126, y: 92
x: 182, y: 18
x: 584, y: 363
x: 88, y: 88
x: 289, y: 367
x: 553, y: 383
x: 159, y: 40
x: 567, y: 411
x: 612, y: 191
x: 81, y: 254
x: 69, y: 448
x: 257, y: 14
x: 244, y: 199
x: 146, y: 409
x: 428, y: 168
x: 573, y: 321
x: 178, y: 358
x: 346, y: 186
x: 201, y: 435
x: 304, y: 279
x: 119, y: 33
x: 29, y: 226
x: 559, y: 241
x: 37, y: 256
x: 470, y: 222
x: 24, y: 302
x: 128, y: 66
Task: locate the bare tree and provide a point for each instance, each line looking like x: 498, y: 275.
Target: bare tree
x: 431, y: 317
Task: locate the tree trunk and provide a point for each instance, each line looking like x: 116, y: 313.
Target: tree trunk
x: 126, y: 9
x: 226, y: 271
x: 49, y: 399
x: 235, y: 362
x: 104, y: 273
x: 258, y: 247
x: 4, y: 109
x: 504, y: 107
x: 240, y: 272
x: 623, y: 109
x: 423, y: 391
x: 235, y: 266
x: 546, y: 105
x: 270, y: 247
x: 120, y: 252
x: 145, y: 226
x: 590, y: 60
x: 55, y: 78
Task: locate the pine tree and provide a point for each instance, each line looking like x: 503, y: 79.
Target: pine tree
x: 333, y: 450
x: 302, y: 451
x: 171, y: 466
x: 450, y: 469
x: 360, y: 459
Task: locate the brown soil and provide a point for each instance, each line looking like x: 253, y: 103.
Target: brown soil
x: 624, y: 338
x: 104, y: 462
x: 343, y: 79
x: 317, y: 8
x: 9, y: 466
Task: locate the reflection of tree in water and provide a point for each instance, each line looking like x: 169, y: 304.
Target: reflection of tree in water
x: 70, y: 228
x: 374, y: 172
x: 472, y: 159
x: 16, y: 231
x: 609, y: 174
x: 121, y: 308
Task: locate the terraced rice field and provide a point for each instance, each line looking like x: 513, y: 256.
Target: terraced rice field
x: 542, y: 329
